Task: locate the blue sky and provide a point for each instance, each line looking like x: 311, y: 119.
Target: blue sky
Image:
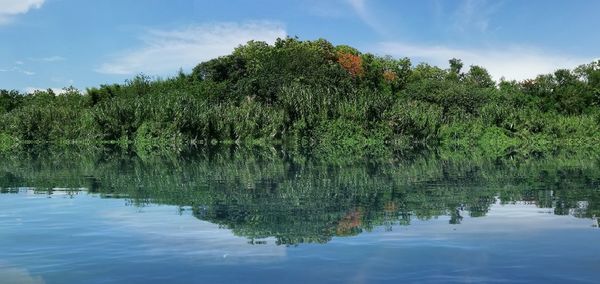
x: 59, y: 43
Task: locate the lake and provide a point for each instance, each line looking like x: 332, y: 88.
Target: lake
x: 250, y: 216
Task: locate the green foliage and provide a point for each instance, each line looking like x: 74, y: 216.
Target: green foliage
x: 7, y: 142
x: 565, y: 91
x: 454, y: 73
x: 454, y: 98
x: 314, y: 95
x: 417, y: 121
x: 341, y: 136
x: 260, y: 70
x: 478, y: 77
x: 252, y: 121
x: 9, y: 100
x: 116, y: 118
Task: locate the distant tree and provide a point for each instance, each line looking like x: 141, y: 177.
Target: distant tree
x: 9, y: 100
x: 479, y: 77
x: 456, y: 66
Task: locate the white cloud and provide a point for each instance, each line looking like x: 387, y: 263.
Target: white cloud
x: 513, y: 62
x: 57, y: 91
x: 11, y: 8
x: 165, y: 51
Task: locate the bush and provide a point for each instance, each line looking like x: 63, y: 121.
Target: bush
x: 117, y: 119
x: 418, y: 121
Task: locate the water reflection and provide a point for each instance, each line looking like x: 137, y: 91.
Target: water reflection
x: 293, y: 200
x: 10, y: 274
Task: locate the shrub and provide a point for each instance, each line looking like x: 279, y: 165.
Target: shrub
x: 419, y: 121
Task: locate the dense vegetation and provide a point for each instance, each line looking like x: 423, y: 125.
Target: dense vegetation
x: 314, y: 95
x: 260, y: 194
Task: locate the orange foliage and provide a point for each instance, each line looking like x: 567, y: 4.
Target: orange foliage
x: 352, y: 220
x: 390, y: 75
x: 352, y: 63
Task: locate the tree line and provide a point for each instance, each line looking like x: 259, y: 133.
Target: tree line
x: 314, y: 95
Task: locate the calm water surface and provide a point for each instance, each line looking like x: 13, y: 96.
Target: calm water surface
x: 239, y: 218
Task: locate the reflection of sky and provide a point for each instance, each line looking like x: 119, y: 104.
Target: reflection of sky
x: 82, y: 238
x: 17, y: 275
x: 524, y: 218
x: 163, y: 233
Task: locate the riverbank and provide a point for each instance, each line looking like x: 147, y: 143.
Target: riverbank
x: 311, y: 95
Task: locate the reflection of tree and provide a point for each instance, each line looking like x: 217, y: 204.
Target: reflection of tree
x: 298, y: 200
x: 456, y: 217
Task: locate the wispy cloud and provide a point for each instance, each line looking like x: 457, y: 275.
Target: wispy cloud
x: 18, y: 70
x: 11, y: 8
x: 512, y: 62
x: 164, y: 51
x: 363, y: 12
x: 360, y: 7
x: 54, y: 58
x: 326, y: 9
x: 475, y: 15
